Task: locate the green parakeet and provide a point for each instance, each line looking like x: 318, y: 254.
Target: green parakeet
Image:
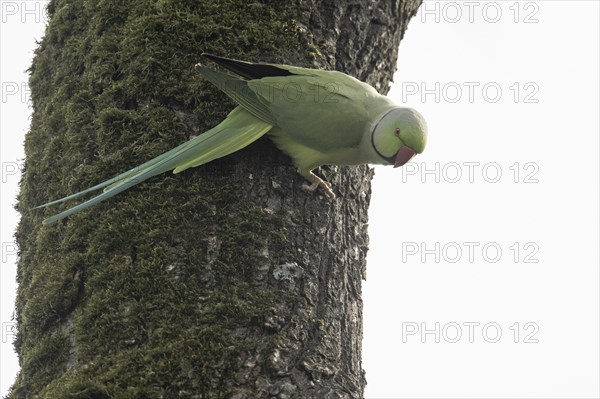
x: 316, y: 117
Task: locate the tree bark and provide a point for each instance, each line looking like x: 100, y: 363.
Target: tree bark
x: 225, y: 281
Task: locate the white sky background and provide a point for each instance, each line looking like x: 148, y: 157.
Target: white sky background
x: 554, y: 140
x: 545, y: 144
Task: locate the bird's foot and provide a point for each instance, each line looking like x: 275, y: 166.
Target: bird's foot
x: 317, y: 182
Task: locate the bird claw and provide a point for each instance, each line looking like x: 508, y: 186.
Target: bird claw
x: 318, y: 182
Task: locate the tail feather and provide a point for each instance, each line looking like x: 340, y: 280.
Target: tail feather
x: 238, y: 130
x: 114, y: 180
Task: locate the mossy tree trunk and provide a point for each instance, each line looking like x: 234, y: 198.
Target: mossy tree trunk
x: 227, y: 280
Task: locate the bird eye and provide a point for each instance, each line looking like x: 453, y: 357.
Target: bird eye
x: 397, y: 132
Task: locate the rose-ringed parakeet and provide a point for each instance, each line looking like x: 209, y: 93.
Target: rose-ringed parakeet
x: 316, y: 117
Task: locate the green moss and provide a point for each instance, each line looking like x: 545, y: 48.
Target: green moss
x: 42, y: 364
x: 155, y: 282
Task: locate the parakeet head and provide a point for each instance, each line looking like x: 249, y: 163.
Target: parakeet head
x: 399, y: 135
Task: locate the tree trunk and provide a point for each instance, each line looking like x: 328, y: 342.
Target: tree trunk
x: 225, y: 281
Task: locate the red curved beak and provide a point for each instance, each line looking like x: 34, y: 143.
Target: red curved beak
x: 404, y: 155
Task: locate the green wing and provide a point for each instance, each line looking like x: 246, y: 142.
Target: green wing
x: 323, y: 116
x: 322, y: 110
x: 238, y: 130
x: 326, y: 111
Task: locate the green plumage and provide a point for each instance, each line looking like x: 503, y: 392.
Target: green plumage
x: 316, y: 117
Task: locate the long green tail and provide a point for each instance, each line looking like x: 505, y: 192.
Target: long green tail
x: 238, y: 130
